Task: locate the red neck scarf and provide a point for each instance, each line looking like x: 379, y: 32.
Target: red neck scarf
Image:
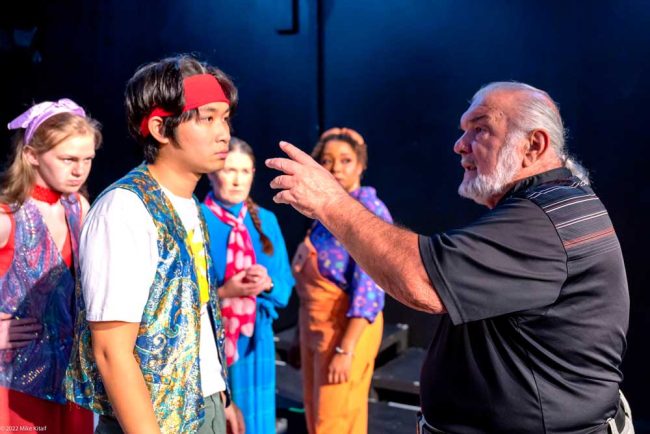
x: 238, y: 312
x: 45, y: 194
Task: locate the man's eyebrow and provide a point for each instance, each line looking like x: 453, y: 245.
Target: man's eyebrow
x: 213, y: 110
x: 474, y: 120
x: 479, y: 118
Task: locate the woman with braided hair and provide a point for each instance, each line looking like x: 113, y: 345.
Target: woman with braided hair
x: 252, y: 265
x: 340, y: 320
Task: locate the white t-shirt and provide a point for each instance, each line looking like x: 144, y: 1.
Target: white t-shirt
x: 118, y: 259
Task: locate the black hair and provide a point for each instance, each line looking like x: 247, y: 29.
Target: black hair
x: 160, y: 84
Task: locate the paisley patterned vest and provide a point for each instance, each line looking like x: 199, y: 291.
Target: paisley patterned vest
x: 38, y: 284
x: 167, y: 346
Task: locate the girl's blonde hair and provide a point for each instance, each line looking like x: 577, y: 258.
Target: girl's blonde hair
x: 17, y: 180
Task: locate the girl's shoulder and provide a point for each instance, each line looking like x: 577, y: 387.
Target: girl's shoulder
x: 368, y: 197
x: 6, y: 224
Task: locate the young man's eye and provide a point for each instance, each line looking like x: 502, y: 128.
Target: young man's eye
x: 346, y: 161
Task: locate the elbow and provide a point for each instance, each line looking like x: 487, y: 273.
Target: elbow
x: 419, y: 295
x: 429, y: 299
x: 424, y: 294
x: 433, y: 305
x: 426, y: 302
x: 101, y: 356
x: 108, y: 358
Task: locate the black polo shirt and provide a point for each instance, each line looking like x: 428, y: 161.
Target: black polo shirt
x: 538, y: 309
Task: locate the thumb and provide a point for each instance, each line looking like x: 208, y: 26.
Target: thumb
x: 240, y: 275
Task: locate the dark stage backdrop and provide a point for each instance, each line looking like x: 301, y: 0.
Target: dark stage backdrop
x: 399, y: 71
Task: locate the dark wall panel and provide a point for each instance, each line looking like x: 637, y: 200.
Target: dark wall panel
x: 402, y: 74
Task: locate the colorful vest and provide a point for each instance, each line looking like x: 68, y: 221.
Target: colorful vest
x: 167, y: 346
x: 39, y: 284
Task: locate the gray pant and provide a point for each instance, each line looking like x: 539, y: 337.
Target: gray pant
x: 215, y: 419
x: 213, y: 423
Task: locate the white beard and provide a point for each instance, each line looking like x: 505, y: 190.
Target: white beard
x: 485, y: 186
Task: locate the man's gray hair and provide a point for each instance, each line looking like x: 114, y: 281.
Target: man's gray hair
x: 537, y: 110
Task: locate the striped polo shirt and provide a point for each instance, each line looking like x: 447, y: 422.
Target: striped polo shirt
x: 538, y: 309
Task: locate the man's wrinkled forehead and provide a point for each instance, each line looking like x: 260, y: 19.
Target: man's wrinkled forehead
x: 481, y: 109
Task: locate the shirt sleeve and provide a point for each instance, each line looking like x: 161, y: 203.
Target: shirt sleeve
x: 118, y: 258
x: 510, y: 260
x: 366, y: 297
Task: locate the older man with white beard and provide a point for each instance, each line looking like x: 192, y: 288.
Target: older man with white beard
x: 533, y: 295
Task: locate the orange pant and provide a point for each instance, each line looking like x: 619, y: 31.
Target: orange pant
x: 331, y: 408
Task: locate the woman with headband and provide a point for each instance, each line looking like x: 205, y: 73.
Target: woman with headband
x: 252, y: 267
x: 40, y: 221
x: 341, y: 319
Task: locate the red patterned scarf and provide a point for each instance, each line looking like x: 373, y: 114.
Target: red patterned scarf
x: 238, y: 312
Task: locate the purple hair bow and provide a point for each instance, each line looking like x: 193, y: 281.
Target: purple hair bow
x: 39, y: 113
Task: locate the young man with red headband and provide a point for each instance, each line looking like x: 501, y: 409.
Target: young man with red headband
x: 148, y: 354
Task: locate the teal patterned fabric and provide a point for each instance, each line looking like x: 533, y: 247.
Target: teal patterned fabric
x: 167, y: 346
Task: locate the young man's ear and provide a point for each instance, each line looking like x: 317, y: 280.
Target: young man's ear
x: 538, y: 144
x: 156, y: 129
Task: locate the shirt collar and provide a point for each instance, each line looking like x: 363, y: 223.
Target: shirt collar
x: 232, y: 209
x: 535, y: 180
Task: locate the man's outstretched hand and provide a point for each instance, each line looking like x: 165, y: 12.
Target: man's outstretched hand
x: 305, y: 184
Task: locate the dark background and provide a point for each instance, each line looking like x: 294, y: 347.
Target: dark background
x: 398, y: 71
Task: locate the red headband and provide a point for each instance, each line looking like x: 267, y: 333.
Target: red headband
x: 200, y: 89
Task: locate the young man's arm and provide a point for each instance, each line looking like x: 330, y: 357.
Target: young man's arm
x: 389, y: 254
x: 113, y: 343
x: 118, y: 256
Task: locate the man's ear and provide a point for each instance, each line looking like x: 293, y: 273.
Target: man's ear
x: 538, y: 143
x: 156, y: 129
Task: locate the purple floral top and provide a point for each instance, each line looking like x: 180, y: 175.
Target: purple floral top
x: 335, y: 264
